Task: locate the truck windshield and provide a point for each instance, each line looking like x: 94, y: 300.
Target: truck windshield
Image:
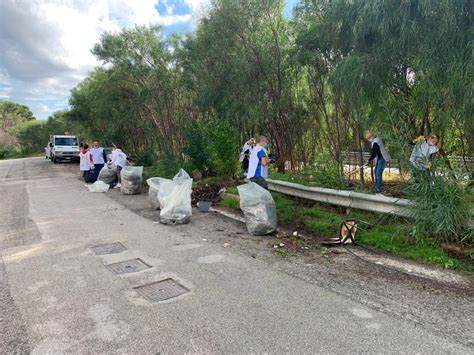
x: 65, y: 141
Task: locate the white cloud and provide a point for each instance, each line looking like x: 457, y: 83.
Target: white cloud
x: 169, y: 20
x: 45, y: 45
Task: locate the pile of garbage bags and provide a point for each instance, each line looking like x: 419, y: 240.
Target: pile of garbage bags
x: 107, y: 175
x: 131, y: 179
x: 173, y: 197
x: 259, y: 209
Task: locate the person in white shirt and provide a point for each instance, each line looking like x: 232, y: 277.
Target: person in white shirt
x: 258, y: 163
x: 245, y: 155
x: 98, y: 158
x: 119, y: 160
x: 424, y: 153
x: 85, y: 162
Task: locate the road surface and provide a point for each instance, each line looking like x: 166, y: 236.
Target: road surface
x: 58, y: 296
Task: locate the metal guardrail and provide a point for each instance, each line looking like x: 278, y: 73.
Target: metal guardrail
x: 352, y: 157
x: 348, y: 199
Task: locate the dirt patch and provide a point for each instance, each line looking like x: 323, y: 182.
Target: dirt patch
x: 209, y: 192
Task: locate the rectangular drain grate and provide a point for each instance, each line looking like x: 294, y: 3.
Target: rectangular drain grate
x: 129, y: 266
x: 112, y: 248
x: 161, y: 290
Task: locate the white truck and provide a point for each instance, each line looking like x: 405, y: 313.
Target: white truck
x: 63, y: 147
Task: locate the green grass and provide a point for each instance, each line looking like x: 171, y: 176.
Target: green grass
x: 232, y: 190
x: 230, y: 202
x: 389, y: 234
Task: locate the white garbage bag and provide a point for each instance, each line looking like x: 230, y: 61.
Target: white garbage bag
x: 99, y: 186
x: 174, y: 197
x: 259, y: 209
x: 181, y: 175
x: 131, y: 179
x: 154, y: 184
x: 108, y: 175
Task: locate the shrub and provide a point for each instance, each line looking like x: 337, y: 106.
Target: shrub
x: 212, y: 147
x: 166, y: 167
x: 326, y: 172
x: 197, y: 138
x: 441, y: 206
x: 11, y: 153
x: 146, y: 159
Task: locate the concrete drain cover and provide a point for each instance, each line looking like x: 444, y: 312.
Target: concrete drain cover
x: 112, y: 248
x: 129, y: 266
x: 161, y: 290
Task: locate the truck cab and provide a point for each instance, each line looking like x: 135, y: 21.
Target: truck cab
x: 63, y: 147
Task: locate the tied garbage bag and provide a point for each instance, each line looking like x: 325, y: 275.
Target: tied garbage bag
x: 99, y: 186
x: 174, y: 197
x: 181, y: 175
x: 154, y: 184
x: 163, y: 193
x: 131, y: 177
x: 259, y: 209
x: 107, y: 175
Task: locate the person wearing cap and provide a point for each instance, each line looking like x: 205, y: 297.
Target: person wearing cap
x: 381, y: 157
x: 258, y: 163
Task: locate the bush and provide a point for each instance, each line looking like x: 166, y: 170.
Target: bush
x: 326, y: 172
x: 146, y: 159
x: 441, y: 206
x: 196, y: 134
x: 166, y: 167
x: 11, y: 153
x: 322, y: 172
x: 212, y: 147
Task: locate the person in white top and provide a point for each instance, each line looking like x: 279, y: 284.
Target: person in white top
x: 424, y: 153
x: 258, y: 163
x: 98, y: 158
x: 245, y: 155
x: 85, y: 162
x: 119, y: 160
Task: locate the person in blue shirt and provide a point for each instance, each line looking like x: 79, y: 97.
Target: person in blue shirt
x: 258, y: 164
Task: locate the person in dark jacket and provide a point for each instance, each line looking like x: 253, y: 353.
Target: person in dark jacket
x: 381, y: 157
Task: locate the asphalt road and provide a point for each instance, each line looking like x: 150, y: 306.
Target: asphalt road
x: 58, y: 296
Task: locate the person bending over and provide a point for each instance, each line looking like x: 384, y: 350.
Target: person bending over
x: 380, y: 155
x: 119, y: 160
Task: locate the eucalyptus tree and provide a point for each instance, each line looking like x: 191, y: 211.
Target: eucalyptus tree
x: 238, y: 65
x: 402, y: 67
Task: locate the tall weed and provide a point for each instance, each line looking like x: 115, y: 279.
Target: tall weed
x: 441, y: 206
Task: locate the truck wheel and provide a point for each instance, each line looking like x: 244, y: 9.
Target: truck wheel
x: 55, y: 161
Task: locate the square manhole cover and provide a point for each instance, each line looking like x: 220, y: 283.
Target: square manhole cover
x: 129, y: 266
x: 161, y: 290
x: 112, y: 248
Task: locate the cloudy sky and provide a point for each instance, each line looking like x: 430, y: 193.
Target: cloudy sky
x: 45, y: 44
